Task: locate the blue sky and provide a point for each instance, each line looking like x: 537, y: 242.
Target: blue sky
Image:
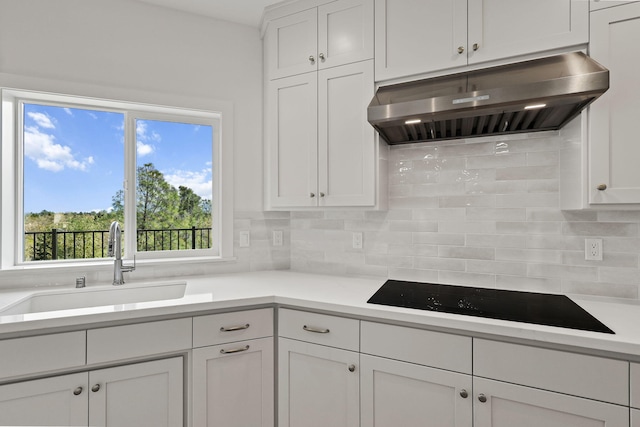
x: 74, y: 158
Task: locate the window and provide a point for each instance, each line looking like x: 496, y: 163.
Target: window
x: 82, y: 163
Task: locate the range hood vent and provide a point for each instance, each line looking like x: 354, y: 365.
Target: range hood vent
x: 538, y: 95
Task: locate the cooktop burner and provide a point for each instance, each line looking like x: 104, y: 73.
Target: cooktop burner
x: 517, y: 306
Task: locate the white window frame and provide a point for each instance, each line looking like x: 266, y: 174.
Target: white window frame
x: 11, y: 156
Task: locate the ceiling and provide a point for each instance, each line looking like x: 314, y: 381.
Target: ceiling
x: 247, y: 12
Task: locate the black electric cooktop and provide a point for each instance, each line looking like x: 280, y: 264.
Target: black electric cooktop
x: 527, y: 307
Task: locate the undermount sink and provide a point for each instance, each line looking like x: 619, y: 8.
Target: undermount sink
x: 96, y: 297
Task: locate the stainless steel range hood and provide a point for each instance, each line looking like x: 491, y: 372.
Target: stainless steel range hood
x: 537, y: 95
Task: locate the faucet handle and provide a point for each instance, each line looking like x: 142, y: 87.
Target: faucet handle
x: 129, y: 268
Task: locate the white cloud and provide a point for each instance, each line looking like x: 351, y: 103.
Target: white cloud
x: 42, y: 149
x: 199, y: 181
x: 143, y: 134
x: 93, y: 115
x: 144, y: 149
x: 41, y: 120
x: 68, y: 111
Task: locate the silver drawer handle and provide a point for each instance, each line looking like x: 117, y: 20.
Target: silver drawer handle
x: 235, y: 350
x: 234, y: 328
x: 316, y: 330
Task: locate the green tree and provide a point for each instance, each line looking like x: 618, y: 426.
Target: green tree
x: 157, y: 203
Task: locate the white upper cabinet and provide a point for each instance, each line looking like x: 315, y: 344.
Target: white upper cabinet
x: 614, y: 175
x: 422, y: 36
x: 333, y: 34
x: 417, y: 36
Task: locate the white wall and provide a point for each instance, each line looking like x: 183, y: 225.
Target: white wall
x: 133, y: 51
x: 125, y: 44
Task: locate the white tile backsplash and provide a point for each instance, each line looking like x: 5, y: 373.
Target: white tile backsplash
x: 481, y: 214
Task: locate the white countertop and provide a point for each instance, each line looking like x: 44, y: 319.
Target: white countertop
x: 340, y: 295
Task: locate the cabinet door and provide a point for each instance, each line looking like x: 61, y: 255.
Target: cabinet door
x: 57, y: 401
x: 425, y: 397
x: 346, y: 144
x: 143, y: 395
x: 233, y: 384
x: 292, y: 134
x: 419, y: 36
x: 505, y: 28
x: 318, y: 386
x: 345, y: 32
x: 291, y: 44
x: 613, y: 135
x: 499, y: 404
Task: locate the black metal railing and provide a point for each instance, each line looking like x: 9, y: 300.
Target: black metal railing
x: 61, y: 244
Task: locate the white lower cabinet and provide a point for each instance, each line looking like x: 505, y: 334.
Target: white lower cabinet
x: 398, y: 393
x: 57, y: 401
x: 499, y: 404
x: 146, y: 394
x: 142, y: 394
x: 318, y: 385
x: 233, y: 384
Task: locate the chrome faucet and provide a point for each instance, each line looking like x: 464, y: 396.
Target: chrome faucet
x: 115, y: 251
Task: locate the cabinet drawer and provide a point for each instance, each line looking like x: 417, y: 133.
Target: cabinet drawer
x: 576, y: 374
x: 142, y: 339
x: 230, y: 327
x: 436, y: 349
x: 23, y: 356
x: 319, y: 329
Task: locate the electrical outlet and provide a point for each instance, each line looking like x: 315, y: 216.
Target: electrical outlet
x: 357, y: 240
x: 277, y: 237
x: 245, y: 239
x: 593, y: 249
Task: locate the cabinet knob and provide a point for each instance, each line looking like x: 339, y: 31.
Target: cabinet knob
x: 77, y: 391
x: 95, y: 388
x: 312, y: 195
x: 352, y: 368
x: 312, y: 59
x: 602, y: 187
x: 476, y: 46
x: 482, y: 398
x: 321, y: 194
x: 464, y: 394
x: 321, y: 56
x: 461, y: 49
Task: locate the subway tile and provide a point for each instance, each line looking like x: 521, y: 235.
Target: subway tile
x: 497, y: 267
x: 496, y: 214
x: 496, y: 161
x: 431, y: 263
x: 439, y: 238
x: 417, y: 226
x: 528, y: 255
x: 390, y: 260
x: 563, y: 271
x: 600, y: 229
x: 529, y: 200
x: 609, y: 259
x: 481, y: 227
x: 464, y: 252
x: 439, y: 214
x: 485, y: 200
x: 496, y: 240
x: 496, y: 187
x: 527, y: 172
